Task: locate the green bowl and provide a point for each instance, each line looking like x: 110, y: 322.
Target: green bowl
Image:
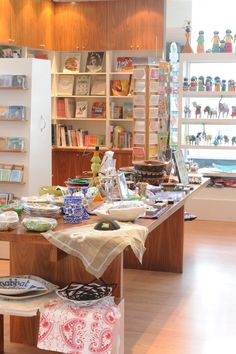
x: 50, y: 190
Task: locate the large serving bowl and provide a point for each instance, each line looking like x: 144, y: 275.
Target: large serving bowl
x: 150, y: 165
x: 124, y: 211
x: 151, y: 171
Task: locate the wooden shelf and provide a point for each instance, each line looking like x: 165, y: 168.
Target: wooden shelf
x: 75, y: 96
x: 121, y: 120
x: 119, y: 97
x: 213, y: 121
x: 82, y: 73
x: 207, y: 94
x: 12, y: 88
x: 12, y: 120
x: 82, y: 119
x: 18, y: 151
x: 10, y: 182
x: 121, y: 73
x: 208, y: 147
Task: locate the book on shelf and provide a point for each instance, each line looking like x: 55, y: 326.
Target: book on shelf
x: 16, y: 112
x: 65, y: 85
x: 127, y: 110
x: 16, y: 173
x: 39, y: 55
x: 120, y: 138
x: 82, y: 85
x: 139, y: 139
x: 69, y: 107
x: 94, y: 62
x: 6, y: 80
x: 15, y: 143
x: 93, y: 140
x: 12, y: 112
x: 10, y: 52
x: 20, y: 81
x: 139, y: 86
x: 138, y: 152
x: 139, y: 126
x: 99, y: 110
x: 116, y: 111
x: 119, y: 87
x: 81, y: 110
x: 124, y: 64
x: 5, y: 172
x: 3, y: 143
x: 70, y: 63
x: 60, y: 107
x: 4, y: 110
x: 98, y: 86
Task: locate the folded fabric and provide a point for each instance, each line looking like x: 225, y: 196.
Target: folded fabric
x: 67, y: 328
x: 96, y: 248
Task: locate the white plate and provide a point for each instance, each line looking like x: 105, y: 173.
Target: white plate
x: 20, y: 287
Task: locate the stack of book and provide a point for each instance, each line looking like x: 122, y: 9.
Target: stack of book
x: 11, y: 173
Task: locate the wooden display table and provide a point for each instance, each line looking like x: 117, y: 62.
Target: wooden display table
x: 31, y: 253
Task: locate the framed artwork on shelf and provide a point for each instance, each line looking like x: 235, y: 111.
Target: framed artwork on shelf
x: 180, y: 167
x: 94, y: 62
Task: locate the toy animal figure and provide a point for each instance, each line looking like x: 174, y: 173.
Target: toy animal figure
x: 218, y: 140
x: 190, y: 139
x: 198, y: 111
x: 226, y: 139
x: 211, y: 112
x: 233, y: 114
x: 223, y: 109
x: 208, y: 138
x: 233, y: 140
x: 187, y: 112
x: 198, y: 138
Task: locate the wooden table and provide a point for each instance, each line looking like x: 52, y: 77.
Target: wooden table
x: 31, y: 253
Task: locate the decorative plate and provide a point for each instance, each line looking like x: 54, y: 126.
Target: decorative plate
x: 21, y: 287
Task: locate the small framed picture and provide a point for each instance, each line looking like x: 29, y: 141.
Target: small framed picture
x: 122, y: 186
x: 180, y: 167
x: 94, y: 62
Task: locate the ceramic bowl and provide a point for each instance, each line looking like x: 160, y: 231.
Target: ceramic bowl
x: 126, y: 214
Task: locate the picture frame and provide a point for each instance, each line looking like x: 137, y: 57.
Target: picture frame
x: 94, y: 62
x: 182, y: 171
x: 122, y: 186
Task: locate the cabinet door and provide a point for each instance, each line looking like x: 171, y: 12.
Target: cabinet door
x: 45, y: 21
x: 93, y: 25
x: 67, y: 24
x: 149, y: 24
x: 65, y: 164
x: 5, y: 21
x: 24, y: 25
x: 123, y: 158
x: 121, y: 24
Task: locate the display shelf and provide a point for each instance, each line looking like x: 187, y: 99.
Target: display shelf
x: 226, y: 121
x: 15, y: 151
x: 81, y: 119
x: 77, y: 96
x: 12, y: 120
x: 207, y: 147
x: 9, y: 182
x: 205, y: 94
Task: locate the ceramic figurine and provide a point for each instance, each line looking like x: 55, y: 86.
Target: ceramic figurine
x: 187, y: 112
x: 200, y: 42
x: 185, y: 84
x: 216, y: 42
x: 96, y: 165
x: 231, y: 85
x: 223, y: 85
x: 187, y: 48
x: 217, y: 84
x: 208, y: 83
x: 233, y: 114
x: 222, y: 46
x: 228, y: 41
x: 201, y: 85
x: 193, y: 83
x: 198, y: 111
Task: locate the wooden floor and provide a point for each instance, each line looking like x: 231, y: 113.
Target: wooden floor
x: 189, y: 313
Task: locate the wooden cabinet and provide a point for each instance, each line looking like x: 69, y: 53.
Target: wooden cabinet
x: 149, y: 24
x: 5, y: 21
x: 136, y: 24
x: 67, y: 24
x: 45, y: 24
x: 66, y: 163
x: 121, y: 24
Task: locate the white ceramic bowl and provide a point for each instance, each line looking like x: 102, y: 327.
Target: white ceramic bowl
x: 126, y: 214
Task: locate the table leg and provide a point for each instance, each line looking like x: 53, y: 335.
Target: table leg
x: 1, y: 334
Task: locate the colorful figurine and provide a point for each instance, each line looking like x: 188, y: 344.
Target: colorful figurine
x: 231, y: 85
x: 228, y: 42
x: 198, y: 111
x: 200, y: 42
x: 201, y: 85
x: 208, y: 83
x: 193, y: 83
x: 223, y: 85
x: 216, y: 42
x: 217, y: 84
x: 187, y: 48
x: 233, y: 114
x: 185, y: 84
x: 187, y: 112
x: 222, y: 46
x: 223, y: 109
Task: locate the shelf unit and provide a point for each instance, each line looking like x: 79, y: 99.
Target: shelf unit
x: 209, y: 203
x: 35, y: 129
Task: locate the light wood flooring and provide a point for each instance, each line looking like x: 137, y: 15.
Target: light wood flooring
x: 189, y: 313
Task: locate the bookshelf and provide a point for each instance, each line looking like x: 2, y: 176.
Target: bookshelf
x: 25, y: 120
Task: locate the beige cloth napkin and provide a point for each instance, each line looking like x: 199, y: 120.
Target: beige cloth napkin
x: 97, y: 249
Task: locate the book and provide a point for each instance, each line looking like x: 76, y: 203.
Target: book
x: 19, y: 81
x: 71, y: 63
x: 98, y: 86
x: 16, y: 112
x: 69, y: 107
x: 10, y: 52
x: 6, y: 80
x: 15, y: 143
x: 4, y: 111
x: 119, y: 87
x: 16, y: 174
x: 41, y: 56
x: 65, y: 85
x: 94, y: 62
x: 124, y: 64
x: 127, y: 110
x: 116, y: 111
x: 82, y: 85
x: 3, y: 143
x: 5, y: 172
x: 81, y: 110
x: 99, y: 110
x: 60, y: 108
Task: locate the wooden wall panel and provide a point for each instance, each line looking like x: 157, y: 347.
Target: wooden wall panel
x: 45, y: 24
x: 5, y: 21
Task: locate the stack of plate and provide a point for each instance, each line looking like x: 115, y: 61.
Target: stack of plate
x: 19, y: 287
x: 41, y: 209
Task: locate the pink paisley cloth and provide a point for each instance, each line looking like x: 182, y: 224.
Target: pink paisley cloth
x: 67, y: 328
